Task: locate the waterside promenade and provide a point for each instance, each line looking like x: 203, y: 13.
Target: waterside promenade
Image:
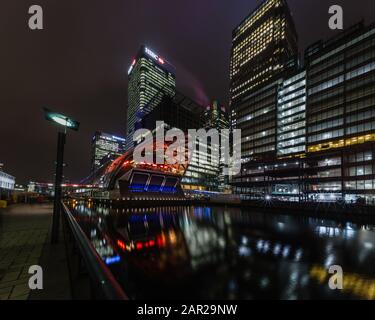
x: 25, y: 241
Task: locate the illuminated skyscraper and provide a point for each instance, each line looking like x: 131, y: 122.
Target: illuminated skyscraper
x: 150, y: 78
x: 264, y: 48
x: 104, y: 145
x: 216, y: 117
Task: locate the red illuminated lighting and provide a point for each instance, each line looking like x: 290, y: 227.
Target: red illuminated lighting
x: 151, y: 243
x: 160, y: 241
x: 161, y: 61
x: 134, y: 62
x: 139, y: 246
x: 121, y: 244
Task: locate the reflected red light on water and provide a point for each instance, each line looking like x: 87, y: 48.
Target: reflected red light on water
x: 160, y: 240
x: 121, y: 244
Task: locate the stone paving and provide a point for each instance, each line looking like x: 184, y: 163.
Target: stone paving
x: 23, y: 235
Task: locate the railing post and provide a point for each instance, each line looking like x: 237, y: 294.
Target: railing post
x: 58, y: 188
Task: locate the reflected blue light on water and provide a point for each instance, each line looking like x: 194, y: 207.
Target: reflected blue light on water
x: 223, y: 253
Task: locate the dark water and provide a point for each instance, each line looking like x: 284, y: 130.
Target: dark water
x: 221, y: 253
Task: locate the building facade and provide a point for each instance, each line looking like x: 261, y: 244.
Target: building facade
x: 216, y: 117
x: 262, y: 45
x: 150, y: 77
x: 184, y: 113
x: 264, y: 48
x: 105, y: 146
x: 325, y: 127
x: 341, y: 115
x: 7, y: 183
x: 291, y: 116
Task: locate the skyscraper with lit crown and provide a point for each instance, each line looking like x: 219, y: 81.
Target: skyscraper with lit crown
x: 150, y: 78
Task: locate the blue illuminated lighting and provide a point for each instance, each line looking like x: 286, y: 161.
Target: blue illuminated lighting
x: 137, y: 187
x: 169, y: 189
x: 152, y: 188
x: 118, y: 138
x: 112, y: 260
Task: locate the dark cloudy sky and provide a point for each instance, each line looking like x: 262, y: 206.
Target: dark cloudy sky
x: 78, y: 65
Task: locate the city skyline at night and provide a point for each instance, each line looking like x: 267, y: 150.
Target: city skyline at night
x: 215, y: 152
x: 96, y: 95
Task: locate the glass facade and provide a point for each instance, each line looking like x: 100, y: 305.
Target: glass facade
x: 325, y: 128
x: 341, y: 85
x: 6, y: 181
x: 184, y: 113
x: 216, y: 117
x: 105, y: 145
x: 150, y: 78
x: 264, y: 47
x: 291, y: 116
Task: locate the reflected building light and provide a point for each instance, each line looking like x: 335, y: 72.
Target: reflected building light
x: 299, y: 253
x: 368, y: 245
x: 305, y: 280
x: 112, y: 260
x: 352, y: 283
x: 286, y: 251
x: 245, y: 241
x: 244, y: 251
x: 330, y: 261
x: 281, y: 225
x: 266, y: 247
x: 264, y: 283
x: 277, y: 249
x: 294, y: 277
x: 260, y: 245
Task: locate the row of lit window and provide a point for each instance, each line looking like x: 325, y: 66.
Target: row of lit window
x: 343, y: 47
x: 342, y: 143
x: 255, y: 16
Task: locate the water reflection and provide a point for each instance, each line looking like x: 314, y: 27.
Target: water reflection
x: 221, y: 253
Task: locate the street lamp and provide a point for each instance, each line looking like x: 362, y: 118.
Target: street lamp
x: 66, y: 123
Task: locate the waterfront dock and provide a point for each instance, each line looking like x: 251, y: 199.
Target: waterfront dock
x: 25, y: 241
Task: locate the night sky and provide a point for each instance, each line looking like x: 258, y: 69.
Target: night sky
x: 78, y: 65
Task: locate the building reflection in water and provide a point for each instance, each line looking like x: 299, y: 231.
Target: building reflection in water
x: 193, y: 252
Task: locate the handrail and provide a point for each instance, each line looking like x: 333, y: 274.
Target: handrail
x: 96, y: 268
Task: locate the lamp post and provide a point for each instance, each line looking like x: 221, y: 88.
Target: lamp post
x: 66, y: 123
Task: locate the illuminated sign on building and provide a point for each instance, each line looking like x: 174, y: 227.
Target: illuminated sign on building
x: 154, y: 55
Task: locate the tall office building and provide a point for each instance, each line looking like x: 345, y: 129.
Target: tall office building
x: 264, y: 47
x: 340, y: 84
x: 105, y: 145
x: 325, y: 127
x: 216, y: 117
x: 150, y: 78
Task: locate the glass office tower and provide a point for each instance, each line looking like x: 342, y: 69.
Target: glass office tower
x: 150, y: 78
x: 264, y: 47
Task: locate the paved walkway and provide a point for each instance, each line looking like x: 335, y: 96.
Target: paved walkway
x: 24, y: 241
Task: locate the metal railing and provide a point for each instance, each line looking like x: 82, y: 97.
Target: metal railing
x: 103, y: 283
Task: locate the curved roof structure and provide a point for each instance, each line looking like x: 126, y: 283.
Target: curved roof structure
x: 127, y: 170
